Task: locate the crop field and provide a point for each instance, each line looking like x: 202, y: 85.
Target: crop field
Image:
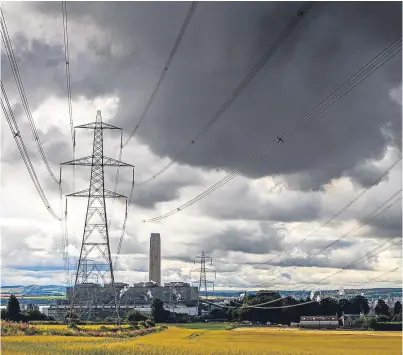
x: 205, y: 326
x: 182, y: 341
x: 84, y: 326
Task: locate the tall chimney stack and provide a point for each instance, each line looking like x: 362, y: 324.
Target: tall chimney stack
x: 154, y: 270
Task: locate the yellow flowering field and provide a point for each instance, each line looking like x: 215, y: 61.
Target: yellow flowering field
x: 84, y: 326
x: 181, y: 341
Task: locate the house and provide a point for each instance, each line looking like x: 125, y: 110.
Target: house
x: 319, y: 322
x: 349, y: 320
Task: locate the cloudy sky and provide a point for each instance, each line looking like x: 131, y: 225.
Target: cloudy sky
x: 251, y: 225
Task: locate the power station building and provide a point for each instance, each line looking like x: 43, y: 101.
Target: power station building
x: 154, y: 269
x: 178, y: 297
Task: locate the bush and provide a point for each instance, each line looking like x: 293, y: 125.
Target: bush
x: 73, y: 325
x: 150, y: 323
x: 366, y: 323
x: 382, y: 319
x: 143, y: 325
x: 32, y: 331
x: 135, y: 325
x: 135, y: 316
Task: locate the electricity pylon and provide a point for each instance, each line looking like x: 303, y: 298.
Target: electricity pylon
x: 95, y: 260
x: 202, y: 276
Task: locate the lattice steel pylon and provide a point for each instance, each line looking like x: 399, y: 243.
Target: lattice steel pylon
x: 95, y: 260
x: 203, y: 282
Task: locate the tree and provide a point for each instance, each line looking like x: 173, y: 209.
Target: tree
x: 359, y: 304
x: 397, y: 309
x: 158, y: 313
x: 382, y: 308
x: 13, y: 309
x: 135, y: 316
x: 218, y: 314
x: 3, y: 314
x: 34, y: 315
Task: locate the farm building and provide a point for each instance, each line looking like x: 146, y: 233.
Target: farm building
x: 319, y: 322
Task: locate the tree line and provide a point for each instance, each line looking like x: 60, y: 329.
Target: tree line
x: 13, y: 312
x: 326, y: 306
x: 238, y: 311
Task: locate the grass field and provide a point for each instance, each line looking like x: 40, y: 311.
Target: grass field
x: 182, y: 341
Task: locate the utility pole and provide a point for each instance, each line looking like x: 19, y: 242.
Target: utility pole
x: 202, y: 276
x: 95, y: 262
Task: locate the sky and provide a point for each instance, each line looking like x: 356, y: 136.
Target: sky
x: 262, y: 228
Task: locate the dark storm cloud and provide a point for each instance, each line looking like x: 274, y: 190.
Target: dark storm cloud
x: 263, y: 240
x: 388, y: 224
x: 222, y: 43
x: 242, y: 205
x: 266, y: 240
x: 179, y: 257
x: 41, y: 68
x: 147, y: 196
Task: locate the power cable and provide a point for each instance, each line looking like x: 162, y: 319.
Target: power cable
x: 379, y: 210
x: 383, y: 57
x: 68, y: 75
x: 17, y: 77
x: 369, y: 254
x: 330, y: 296
x: 356, y: 198
x: 241, y: 86
x: 128, y: 204
x: 69, y: 97
x: 178, y: 41
x: 167, y: 65
x: 9, y: 115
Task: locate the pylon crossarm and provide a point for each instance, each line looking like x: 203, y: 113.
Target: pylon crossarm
x: 103, y: 125
x: 86, y: 161
x: 86, y: 193
x: 113, y: 162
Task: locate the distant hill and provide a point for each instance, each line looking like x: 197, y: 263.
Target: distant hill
x: 34, y: 290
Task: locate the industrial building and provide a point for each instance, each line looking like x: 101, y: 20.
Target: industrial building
x: 154, y: 270
x: 178, y: 297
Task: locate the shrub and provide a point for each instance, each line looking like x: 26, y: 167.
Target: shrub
x: 150, y: 323
x: 73, y: 325
x: 382, y: 319
x: 135, y: 316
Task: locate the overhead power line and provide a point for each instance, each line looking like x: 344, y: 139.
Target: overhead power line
x: 382, y: 58
x: 372, y: 253
x: 72, y: 132
x: 128, y: 205
x: 178, y: 41
x: 241, y: 86
x: 17, y: 77
x: 379, y: 210
x: 68, y: 75
x: 167, y: 65
x: 9, y: 115
x: 356, y: 198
